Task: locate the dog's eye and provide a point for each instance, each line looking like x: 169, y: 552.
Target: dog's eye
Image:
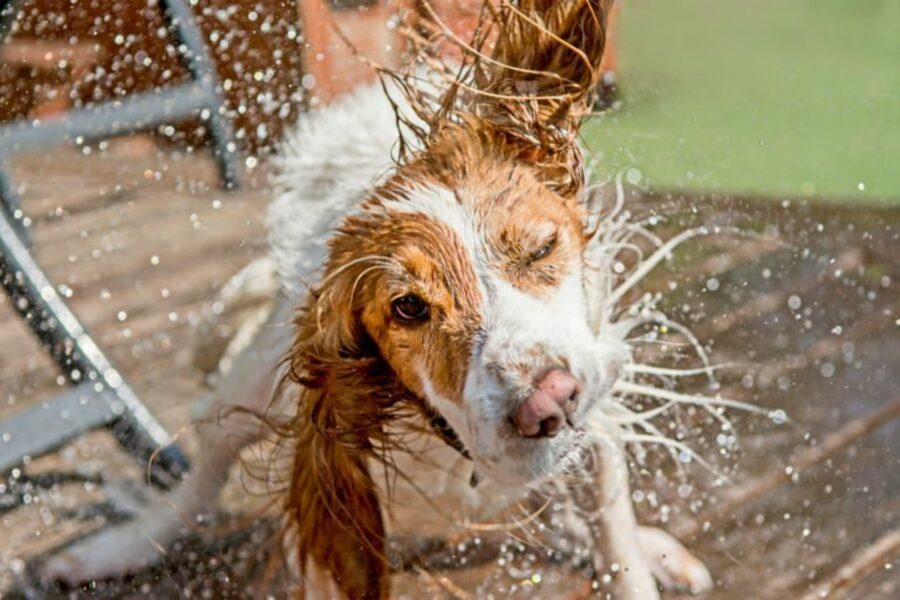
x: 409, y: 308
x: 543, y: 251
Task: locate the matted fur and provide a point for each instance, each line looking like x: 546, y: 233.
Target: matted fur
x: 520, y: 106
x: 527, y: 78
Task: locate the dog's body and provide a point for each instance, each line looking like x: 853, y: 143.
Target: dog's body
x: 447, y: 340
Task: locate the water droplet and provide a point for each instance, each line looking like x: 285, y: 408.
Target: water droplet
x: 113, y: 378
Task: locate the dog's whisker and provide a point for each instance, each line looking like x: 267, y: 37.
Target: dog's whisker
x: 642, y: 369
x: 653, y: 430
x: 630, y: 230
x: 663, y: 253
x: 621, y: 246
x: 627, y: 387
x: 651, y: 340
x: 640, y: 417
x: 687, y: 333
x: 360, y: 276
x: 355, y: 261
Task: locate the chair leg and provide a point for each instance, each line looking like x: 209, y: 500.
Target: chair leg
x: 11, y: 205
x: 77, y: 355
x: 35, y: 297
x: 199, y: 64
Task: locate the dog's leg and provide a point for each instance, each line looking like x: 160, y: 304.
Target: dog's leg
x: 671, y: 563
x: 143, y: 541
x: 604, y: 501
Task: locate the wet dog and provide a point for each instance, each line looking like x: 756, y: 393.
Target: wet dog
x: 453, y: 321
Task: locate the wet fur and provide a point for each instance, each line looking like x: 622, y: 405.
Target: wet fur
x: 501, y: 135
x: 508, y: 122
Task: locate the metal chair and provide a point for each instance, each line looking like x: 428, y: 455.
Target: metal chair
x: 99, y: 397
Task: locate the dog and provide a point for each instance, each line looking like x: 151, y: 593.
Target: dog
x: 445, y: 325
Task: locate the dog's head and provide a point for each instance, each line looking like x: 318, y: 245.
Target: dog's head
x: 465, y: 276
x: 459, y: 287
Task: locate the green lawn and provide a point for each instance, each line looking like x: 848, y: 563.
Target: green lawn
x: 773, y: 97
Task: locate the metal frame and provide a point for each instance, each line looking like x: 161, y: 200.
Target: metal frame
x: 100, y: 396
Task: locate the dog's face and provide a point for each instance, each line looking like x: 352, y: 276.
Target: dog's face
x: 472, y: 290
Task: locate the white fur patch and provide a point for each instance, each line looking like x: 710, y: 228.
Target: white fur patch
x: 326, y: 167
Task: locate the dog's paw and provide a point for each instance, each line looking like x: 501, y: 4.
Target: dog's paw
x: 113, y: 552
x: 671, y: 564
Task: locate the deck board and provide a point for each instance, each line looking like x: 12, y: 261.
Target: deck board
x: 99, y: 220
x: 128, y: 245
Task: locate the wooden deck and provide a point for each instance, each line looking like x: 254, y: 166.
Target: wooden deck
x: 142, y: 240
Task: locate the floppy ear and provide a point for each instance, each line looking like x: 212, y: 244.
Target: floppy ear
x: 533, y: 90
x: 333, y: 503
x: 347, y: 392
x: 541, y: 81
x: 545, y: 66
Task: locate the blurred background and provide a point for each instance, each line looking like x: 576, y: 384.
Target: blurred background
x: 759, y: 98
x: 779, y: 121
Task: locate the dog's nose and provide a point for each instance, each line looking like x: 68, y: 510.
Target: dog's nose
x: 544, y: 412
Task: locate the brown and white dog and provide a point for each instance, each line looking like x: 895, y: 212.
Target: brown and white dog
x: 454, y: 328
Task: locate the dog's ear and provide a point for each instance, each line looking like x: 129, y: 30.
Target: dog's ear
x: 541, y: 81
x: 345, y: 398
x: 333, y: 505
x: 549, y: 53
x: 533, y: 88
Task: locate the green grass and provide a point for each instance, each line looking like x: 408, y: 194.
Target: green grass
x: 793, y: 98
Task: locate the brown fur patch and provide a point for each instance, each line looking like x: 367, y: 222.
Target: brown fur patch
x: 529, y: 93
x: 514, y: 210
x: 432, y: 263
